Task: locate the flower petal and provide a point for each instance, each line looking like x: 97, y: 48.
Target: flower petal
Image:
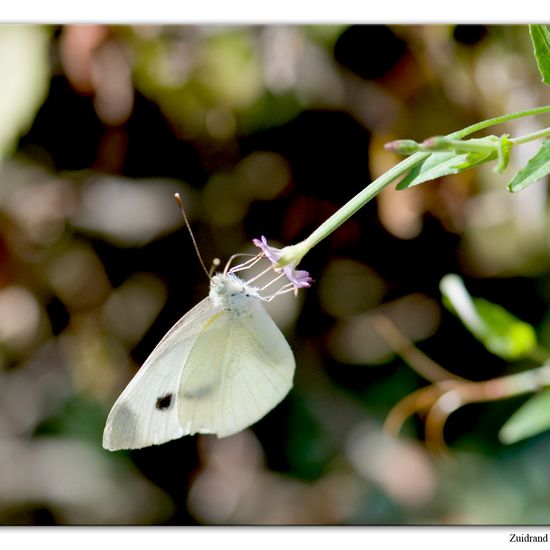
x: 299, y: 278
x: 271, y: 253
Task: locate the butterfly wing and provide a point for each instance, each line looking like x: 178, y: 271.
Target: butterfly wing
x: 146, y: 411
x: 214, y: 372
x: 240, y: 367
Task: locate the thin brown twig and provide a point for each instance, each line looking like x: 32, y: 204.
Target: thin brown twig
x: 448, y: 392
x: 413, y: 403
x: 495, y: 389
x: 416, y: 359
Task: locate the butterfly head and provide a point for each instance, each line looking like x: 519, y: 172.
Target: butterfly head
x: 232, y: 293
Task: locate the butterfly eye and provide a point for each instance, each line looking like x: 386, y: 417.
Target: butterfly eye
x: 164, y: 402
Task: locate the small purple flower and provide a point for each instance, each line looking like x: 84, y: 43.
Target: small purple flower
x: 299, y: 278
x: 271, y: 253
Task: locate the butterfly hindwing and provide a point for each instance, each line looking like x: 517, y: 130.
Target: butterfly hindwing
x: 240, y: 367
x: 202, y: 376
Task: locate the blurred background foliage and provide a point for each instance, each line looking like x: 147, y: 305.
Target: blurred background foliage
x: 263, y: 130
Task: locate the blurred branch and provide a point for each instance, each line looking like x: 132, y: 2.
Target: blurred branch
x: 417, y: 401
x: 416, y: 359
x: 448, y: 392
x: 495, y: 389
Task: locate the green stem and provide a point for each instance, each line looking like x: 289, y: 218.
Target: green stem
x: 369, y: 192
x: 531, y: 137
x: 498, y: 120
x: 357, y: 202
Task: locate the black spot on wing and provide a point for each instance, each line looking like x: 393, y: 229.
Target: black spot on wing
x: 163, y: 403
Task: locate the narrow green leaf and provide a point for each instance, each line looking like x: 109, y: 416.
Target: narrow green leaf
x: 442, y: 164
x: 497, y: 329
x: 540, y: 37
x: 475, y: 159
x: 536, y: 168
x: 504, y: 150
x: 459, y: 302
x: 532, y: 418
x: 435, y: 166
x: 506, y: 335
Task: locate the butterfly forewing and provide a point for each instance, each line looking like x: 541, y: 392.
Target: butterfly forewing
x: 146, y: 411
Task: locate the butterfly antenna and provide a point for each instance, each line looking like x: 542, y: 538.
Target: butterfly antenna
x: 180, y: 203
x: 215, y: 263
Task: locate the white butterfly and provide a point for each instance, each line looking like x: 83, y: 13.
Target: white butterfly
x: 221, y: 367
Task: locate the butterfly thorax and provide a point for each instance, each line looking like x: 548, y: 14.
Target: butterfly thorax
x: 232, y: 294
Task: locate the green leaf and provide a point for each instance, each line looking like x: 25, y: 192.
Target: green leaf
x: 504, y: 149
x: 506, y: 335
x: 532, y: 418
x: 475, y: 159
x: 435, y: 166
x: 78, y: 417
x: 502, y: 333
x: 442, y: 164
x: 536, y: 168
x: 540, y: 36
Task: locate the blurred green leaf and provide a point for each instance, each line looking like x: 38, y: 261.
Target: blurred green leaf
x: 507, y: 336
x: 24, y: 73
x: 230, y: 69
x: 497, y: 329
x: 532, y: 418
x: 442, y: 164
x: 536, y: 168
x: 79, y: 418
x: 268, y: 111
x: 540, y: 37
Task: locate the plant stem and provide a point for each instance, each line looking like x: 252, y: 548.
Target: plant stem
x: 357, y: 202
x: 498, y: 120
x: 531, y: 137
